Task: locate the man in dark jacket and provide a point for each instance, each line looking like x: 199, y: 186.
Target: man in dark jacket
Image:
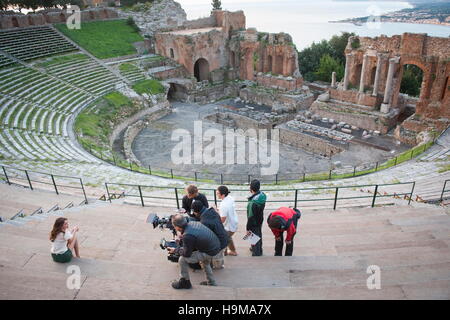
x: 191, y: 196
x: 210, y: 218
x: 284, y: 219
x: 255, y: 215
x: 196, y: 237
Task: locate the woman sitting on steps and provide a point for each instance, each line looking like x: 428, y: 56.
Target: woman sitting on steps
x: 64, y: 241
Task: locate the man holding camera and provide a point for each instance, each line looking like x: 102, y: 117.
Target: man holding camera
x: 210, y: 218
x: 196, y: 237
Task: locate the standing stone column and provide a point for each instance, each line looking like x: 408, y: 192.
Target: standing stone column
x: 388, y: 91
x: 363, y: 73
x: 333, y: 80
x: 376, y: 84
x: 348, y: 58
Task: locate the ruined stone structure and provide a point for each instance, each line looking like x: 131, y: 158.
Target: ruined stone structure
x: 373, y: 75
x: 219, y: 48
x: 8, y: 21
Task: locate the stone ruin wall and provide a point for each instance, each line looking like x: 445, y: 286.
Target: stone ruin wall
x: 309, y: 143
x: 356, y: 98
x: 431, y: 54
x: 291, y: 102
x: 234, y: 48
x: 267, y: 56
x: 8, y: 21
x: 188, y: 49
x: 374, y: 121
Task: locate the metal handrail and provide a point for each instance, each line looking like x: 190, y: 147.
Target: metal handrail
x: 275, y: 178
x: 49, y: 175
x: 444, y: 190
x: 295, y: 200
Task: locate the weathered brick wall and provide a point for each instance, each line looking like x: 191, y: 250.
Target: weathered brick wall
x: 279, y: 82
x: 187, y: 49
x: 8, y: 21
x: 356, y: 97
x: 366, y: 120
x: 308, y: 142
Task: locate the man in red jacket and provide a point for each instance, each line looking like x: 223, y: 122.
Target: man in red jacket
x: 284, y: 219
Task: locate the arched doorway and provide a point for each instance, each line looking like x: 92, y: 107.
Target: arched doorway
x: 372, y: 76
x: 15, y: 22
x: 410, y: 89
x: 177, y: 92
x: 201, y: 70
x: 270, y: 62
x: 411, y: 82
x: 357, y: 76
x: 232, y: 59
x: 279, y: 65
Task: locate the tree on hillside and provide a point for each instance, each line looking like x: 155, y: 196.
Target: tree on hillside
x: 327, y: 66
x: 217, y: 5
x: 338, y: 43
x: 309, y: 59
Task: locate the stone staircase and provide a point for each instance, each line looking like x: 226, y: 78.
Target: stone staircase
x: 121, y: 258
x: 30, y: 204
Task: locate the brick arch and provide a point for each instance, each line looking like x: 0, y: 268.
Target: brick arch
x: 201, y: 69
x: 425, y: 89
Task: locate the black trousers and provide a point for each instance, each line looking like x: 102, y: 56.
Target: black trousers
x: 279, y: 247
x: 257, y: 248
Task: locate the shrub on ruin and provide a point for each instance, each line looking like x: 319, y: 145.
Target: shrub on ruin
x: 327, y: 66
x: 217, y: 5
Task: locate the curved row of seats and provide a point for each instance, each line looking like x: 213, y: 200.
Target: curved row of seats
x: 33, y: 43
x: 38, y: 98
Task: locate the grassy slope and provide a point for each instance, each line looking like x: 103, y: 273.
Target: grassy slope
x: 104, y: 39
x: 148, y: 86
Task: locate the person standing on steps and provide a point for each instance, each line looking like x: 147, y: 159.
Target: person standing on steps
x: 284, y: 219
x: 192, y: 195
x: 227, y: 212
x: 64, y: 241
x: 255, y: 215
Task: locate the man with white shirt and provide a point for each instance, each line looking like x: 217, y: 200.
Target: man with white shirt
x: 228, y: 216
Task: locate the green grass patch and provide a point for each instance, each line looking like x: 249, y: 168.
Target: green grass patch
x: 96, y: 126
x: 62, y: 59
x: 104, y: 39
x: 444, y: 168
x: 126, y: 67
x: 148, y: 86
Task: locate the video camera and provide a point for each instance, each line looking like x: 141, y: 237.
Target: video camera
x: 163, y: 223
x: 164, y: 244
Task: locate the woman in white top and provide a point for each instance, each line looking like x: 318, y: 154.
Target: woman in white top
x: 64, y: 241
x: 229, y: 217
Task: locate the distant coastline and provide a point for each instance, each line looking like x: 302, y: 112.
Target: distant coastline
x: 431, y: 13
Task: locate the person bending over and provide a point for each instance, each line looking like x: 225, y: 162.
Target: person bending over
x: 192, y: 195
x: 64, y: 241
x: 210, y: 218
x: 228, y: 216
x: 284, y: 219
x: 255, y: 215
x: 196, y: 237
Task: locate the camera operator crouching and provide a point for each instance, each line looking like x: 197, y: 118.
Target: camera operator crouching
x: 197, y: 237
x: 210, y: 218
